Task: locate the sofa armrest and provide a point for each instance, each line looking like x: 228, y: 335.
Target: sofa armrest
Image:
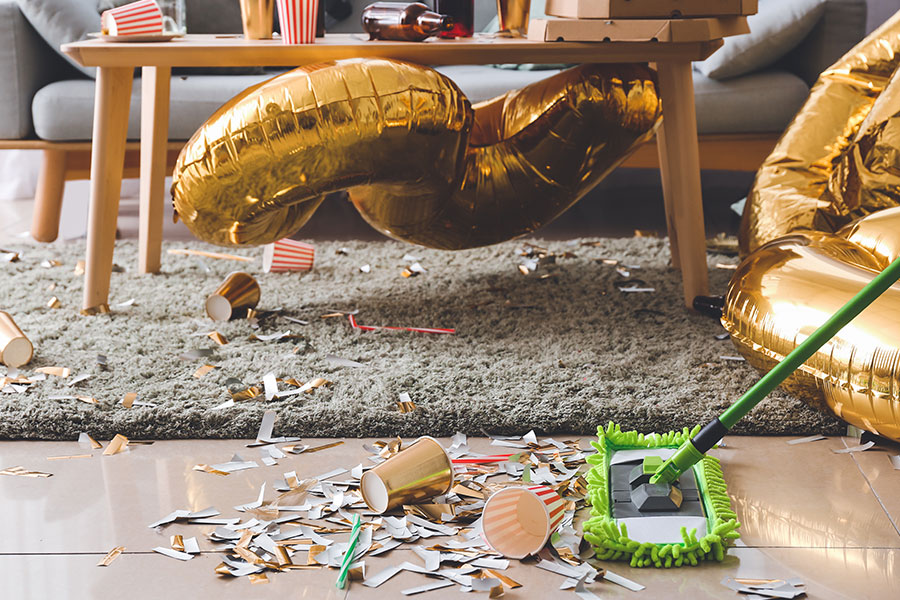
x: 841, y: 27
x: 27, y: 63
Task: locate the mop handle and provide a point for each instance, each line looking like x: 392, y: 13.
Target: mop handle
x: 710, y: 435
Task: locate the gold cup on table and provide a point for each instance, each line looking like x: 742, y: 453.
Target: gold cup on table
x: 238, y: 294
x: 418, y: 473
x: 257, y: 17
x: 513, y: 16
x: 15, y: 349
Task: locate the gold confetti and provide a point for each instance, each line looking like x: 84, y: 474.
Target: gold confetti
x: 79, y: 268
x: 496, y: 591
x: 219, y: 255
x: 177, y: 542
x: 87, y: 399
x: 128, y: 400
x: 523, y: 269
x: 8, y: 256
x: 100, y: 309
x: 282, y: 556
x: 49, y: 264
x: 217, y: 338
x: 54, y: 302
x: 645, y: 233
x: 324, y: 446
x: 70, y: 456
x: 511, y: 583
x: 51, y: 287
x: 58, y: 371
x: 23, y: 472
x: 93, y: 443
x: 314, y: 551
x: 247, y: 394
x: 111, y: 556
x: 257, y: 578
x: 406, y: 407
x: 203, y: 370
x: 208, y: 469
x: 116, y: 445
x: 332, y: 315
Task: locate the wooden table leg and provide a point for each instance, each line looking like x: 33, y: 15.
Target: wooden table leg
x: 680, y: 162
x: 667, y: 195
x: 111, y: 104
x: 154, y: 135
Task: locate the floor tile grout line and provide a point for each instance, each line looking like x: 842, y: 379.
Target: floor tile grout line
x: 872, y: 488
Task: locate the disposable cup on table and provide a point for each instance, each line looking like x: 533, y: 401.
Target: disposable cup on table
x: 518, y: 521
x: 418, y: 473
x: 298, y: 21
x: 257, y: 17
x: 143, y: 17
x: 233, y: 298
x: 288, y: 255
x: 513, y: 17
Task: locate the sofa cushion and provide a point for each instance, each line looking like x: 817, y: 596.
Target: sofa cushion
x: 64, y: 110
x: 763, y: 102
x: 775, y: 30
x: 63, y: 21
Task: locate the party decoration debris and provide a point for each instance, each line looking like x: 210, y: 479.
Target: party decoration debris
x: 417, y: 329
x: 765, y: 589
x: 23, y: 472
x: 852, y: 449
x: 806, y: 440
x: 118, y: 444
x: 111, y: 556
x: 85, y: 440
x: 205, y: 254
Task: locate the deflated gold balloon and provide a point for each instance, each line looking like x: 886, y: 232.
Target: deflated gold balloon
x: 421, y: 165
x: 811, y: 181
x: 787, y: 288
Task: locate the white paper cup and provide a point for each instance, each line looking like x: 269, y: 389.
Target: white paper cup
x: 288, y: 255
x: 15, y: 349
x: 518, y: 521
x: 143, y: 17
x: 298, y: 21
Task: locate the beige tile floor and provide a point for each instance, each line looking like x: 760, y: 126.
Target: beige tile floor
x: 829, y: 519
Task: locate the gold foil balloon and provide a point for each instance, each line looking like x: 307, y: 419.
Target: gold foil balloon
x: 785, y: 289
x: 807, y: 182
x: 421, y: 164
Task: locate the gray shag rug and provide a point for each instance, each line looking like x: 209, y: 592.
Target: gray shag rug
x: 560, y: 350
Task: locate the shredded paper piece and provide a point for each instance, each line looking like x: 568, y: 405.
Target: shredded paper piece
x: 852, y: 449
x: 806, y: 440
x: 111, y: 556
x: 417, y: 329
x: 203, y: 253
x: 116, y: 445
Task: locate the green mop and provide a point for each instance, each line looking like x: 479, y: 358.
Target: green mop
x: 657, y: 499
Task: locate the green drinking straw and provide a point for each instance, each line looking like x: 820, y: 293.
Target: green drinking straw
x: 348, y: 557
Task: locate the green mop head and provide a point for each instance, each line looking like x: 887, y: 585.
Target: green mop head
x: 610, y: 539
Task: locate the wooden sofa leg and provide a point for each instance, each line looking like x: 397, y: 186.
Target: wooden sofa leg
x: 49, y: 195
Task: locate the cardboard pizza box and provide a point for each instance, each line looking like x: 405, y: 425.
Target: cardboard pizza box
x: 648, y: 9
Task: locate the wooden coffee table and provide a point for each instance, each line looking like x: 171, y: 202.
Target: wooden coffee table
x: 676, y: 141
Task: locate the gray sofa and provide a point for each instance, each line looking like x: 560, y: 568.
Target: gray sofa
x: 46, y: 103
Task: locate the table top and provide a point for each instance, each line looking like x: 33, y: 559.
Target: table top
x: 234, y: 51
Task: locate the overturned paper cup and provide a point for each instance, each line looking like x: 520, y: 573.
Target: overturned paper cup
x: 137, y: 18
x: 418, y: 473
x: 518, y: 521
x: 237, y: 294
x: 15, y: 349
x: 288, y: 255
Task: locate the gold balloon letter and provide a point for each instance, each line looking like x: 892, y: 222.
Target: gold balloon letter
x: 421, y: 164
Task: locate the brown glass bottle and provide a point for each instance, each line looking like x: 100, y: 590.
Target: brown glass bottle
x: 404, y: 21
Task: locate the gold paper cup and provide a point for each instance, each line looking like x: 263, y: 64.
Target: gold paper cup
x: 513, y: 17
x: 237, y: 294
x: 15, y: 349
x: 257, y: 18
x: 418, y: 473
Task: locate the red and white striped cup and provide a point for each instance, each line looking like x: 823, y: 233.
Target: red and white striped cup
x: 288, y: 255
x: 518, y: 521
x: 143, y: 17
x: 298, y: 21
